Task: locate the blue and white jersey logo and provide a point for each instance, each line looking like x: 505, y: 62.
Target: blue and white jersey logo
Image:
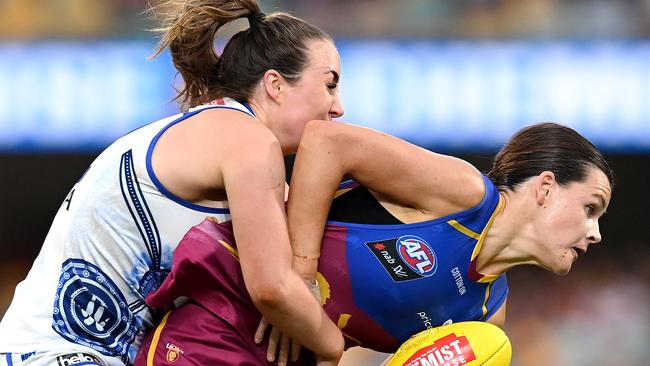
x: 90, y: 310
x: 417, y: 254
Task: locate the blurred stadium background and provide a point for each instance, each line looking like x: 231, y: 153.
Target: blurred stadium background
x: 456, y: 76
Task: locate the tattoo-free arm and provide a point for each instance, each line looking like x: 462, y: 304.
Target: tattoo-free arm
x: 433, y: 183
x: 254, y: 181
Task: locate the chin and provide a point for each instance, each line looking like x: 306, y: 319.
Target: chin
x: 559, y: 268
x: 562, y: 270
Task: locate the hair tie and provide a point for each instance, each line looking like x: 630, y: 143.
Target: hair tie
x: 255, y: 19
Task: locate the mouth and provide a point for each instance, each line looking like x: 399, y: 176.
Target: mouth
x: 579, y: 251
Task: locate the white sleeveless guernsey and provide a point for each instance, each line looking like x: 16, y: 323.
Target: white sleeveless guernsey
x: 111, y: 244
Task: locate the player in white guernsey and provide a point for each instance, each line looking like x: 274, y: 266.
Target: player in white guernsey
x: 110, y: 244
x: 113, y: 238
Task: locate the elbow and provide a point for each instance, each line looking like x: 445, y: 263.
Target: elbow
x: 317, y: 124
x: 322, y: 139
x: 316, y: 133
x: 268, y: 295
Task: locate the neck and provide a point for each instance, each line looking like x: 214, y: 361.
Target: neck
x: 263, y: 109
x: 260, y: 115
x: 508, y: 239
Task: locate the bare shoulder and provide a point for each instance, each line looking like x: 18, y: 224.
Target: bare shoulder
x: 225, y: 125
x: 222, y: 134
x: 466, y: 182
x: 400, y: 171
x: 190, y: 157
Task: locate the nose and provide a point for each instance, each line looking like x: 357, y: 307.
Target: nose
x: 336, y: 110
x: 593, y: 235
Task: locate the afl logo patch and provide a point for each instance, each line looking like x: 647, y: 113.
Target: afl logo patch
x: 417, y: 254
x: 405, y: 258
x: 90, y: 310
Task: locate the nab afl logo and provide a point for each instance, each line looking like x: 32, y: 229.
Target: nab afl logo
x: 417, y: 254
x: 90, y: 310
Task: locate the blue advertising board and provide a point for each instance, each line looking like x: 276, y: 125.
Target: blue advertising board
x: 451, y: 95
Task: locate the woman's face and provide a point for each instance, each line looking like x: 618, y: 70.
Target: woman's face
x: 569, y: 220
x: 315, y: 95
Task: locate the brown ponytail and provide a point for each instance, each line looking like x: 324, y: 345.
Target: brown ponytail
x: 189, y: 27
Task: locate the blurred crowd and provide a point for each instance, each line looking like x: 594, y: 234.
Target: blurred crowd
x: 596, y: 315
x: 464, y: 19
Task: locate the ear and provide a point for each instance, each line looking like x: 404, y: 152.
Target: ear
x: 273, y: 84
x: 544, y: 186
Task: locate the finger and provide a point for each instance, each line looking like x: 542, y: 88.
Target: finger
x: 295, y: 350
x: 283, y: 356
x: 274, y: 339
x: 261, y: 329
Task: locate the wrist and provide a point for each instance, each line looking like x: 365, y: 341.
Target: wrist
x: 306, y: 258
x: 305, y: 266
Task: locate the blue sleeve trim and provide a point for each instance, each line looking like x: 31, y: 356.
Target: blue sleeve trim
x: 157, y: 182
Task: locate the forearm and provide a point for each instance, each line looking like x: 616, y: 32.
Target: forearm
x: 280, y: 293
x: 316, y: 177
x: 254, y: 181
x: 296, y: 312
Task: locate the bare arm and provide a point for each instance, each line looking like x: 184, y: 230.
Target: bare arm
x: 499, y: 317
x: 221, y: 152
x: 433, y: 183
x: 253, y: 176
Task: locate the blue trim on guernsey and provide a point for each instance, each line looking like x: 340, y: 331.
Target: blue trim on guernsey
x: 160, y: 186
x: 348, y: 183
x: 378, y: 227
x: 9, y: 360
x: 148, y: 221
x: 248, y: 106
x: 144, y: 220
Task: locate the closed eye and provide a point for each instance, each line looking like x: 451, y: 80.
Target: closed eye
x: 335, y: 80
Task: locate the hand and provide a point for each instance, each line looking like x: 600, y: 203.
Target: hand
x: 320, y: 361
x: 288, y: 347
